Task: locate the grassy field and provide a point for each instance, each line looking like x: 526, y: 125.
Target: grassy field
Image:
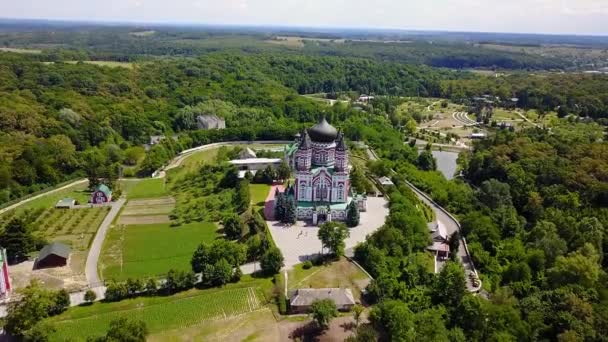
x: 259, y: 325
x: 78, y: 192
x: 16, y: 50
x: 146, y: 188
x: 110, y: 64
x: 160, y: 313
x: 150, y: 250
x: 258, y: 193
x: 341, y: 273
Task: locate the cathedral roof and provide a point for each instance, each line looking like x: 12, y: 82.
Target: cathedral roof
x: 341, y: 144
x: 323, y: 132
x: 305, y: 143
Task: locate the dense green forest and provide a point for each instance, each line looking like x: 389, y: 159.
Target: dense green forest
x: 81, y: 109
x: 127, y: 44
x: 533, y: 210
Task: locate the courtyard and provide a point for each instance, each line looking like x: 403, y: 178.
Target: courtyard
x: 299, y: 242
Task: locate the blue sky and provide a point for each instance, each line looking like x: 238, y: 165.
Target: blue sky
x: 532, y: 16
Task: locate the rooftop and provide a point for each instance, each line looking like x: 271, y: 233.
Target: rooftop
x: 56, y: 248
x: 250, y: 161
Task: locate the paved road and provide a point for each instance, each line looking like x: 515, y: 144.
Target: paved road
x: 95, y: 250
x: 451, y: 226
x: 10, y: 207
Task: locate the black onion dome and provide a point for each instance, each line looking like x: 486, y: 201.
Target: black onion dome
x: 323, y: 132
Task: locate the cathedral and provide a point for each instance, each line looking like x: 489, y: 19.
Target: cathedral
x: 319, y: 160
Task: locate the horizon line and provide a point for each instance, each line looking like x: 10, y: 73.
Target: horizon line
x: 106, y: 22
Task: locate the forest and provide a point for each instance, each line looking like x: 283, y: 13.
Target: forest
x: 532, y: 203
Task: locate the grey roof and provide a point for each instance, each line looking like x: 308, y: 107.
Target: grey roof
x: 341, y: 144
x: 305, y: 144
x: 56, y: 248
x: 323, y: 131
x: 66, y: 202
x: 305, y: 297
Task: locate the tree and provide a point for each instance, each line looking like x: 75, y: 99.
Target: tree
x: 426, y: 161
x: 291, y: 214
x: 272, y: 261
x: 580, y: 268
x: 279, y: 205
x: 332, y: 236
x: 90, y: 296
x: 352, y: 214
x: 125, y: 330
x: 396, y: 319
x: 61, y: 303
x: 323, y: 311
x: 233, y: 227
x: 454, y: 243
x: 17, y: 239
x: 151, y: 286
x: 450, y: 287
x: 40, y: 332
x: 36, y: 305
x: 357, y: 311
x: 200, y: 258
x: 283, y: 171
x: 222, y: 272
x: 242, y: 198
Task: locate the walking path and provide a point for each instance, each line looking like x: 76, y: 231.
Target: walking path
x: 13, y: 206
x: 95, y: 250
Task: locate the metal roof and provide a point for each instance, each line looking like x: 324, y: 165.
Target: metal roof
x: 56, y: 248
x: 104, y: 188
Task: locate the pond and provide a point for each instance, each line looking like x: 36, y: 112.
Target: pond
x: 446, y: 162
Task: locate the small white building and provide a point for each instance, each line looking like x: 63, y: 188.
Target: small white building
x: 302, y: 299
x: 252, y: 164
x: 479, y: 136
x: 385, y: 181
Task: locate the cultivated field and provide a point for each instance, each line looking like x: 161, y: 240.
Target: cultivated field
x: 159, y: 313
x: 150, y: 250
x: 146, y: 188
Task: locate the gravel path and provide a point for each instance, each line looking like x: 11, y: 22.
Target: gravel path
x: 10, y: 207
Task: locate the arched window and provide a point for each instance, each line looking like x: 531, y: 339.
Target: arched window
x: 341, y: 191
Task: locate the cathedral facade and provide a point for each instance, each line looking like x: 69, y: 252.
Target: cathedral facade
x: 319, y: 160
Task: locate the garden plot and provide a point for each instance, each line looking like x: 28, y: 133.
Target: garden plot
x: 147, y: 211
x: 159, y: 313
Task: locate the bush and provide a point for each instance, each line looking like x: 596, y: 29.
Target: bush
x: 90, y: 296
x: 307, y: 265
x: 282, y: 304
x: 272, y: 261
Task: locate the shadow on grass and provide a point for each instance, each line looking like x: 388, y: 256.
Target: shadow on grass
x: 308, y: 333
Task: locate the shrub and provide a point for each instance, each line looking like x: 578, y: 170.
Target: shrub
x: 90, y: 296
x: 307, y: 265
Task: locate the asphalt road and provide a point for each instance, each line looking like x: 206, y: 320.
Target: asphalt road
x: 95, y: 250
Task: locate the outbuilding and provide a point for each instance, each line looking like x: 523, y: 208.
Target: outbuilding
x: 102, y: 194
x: 55, y: 254
x: 66, y: 203
x: 302, y: 299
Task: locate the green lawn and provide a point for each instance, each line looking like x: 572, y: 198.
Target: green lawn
x: 147, y: 188
x: 258, y: 193
x: 161, y: 313
x: 139, y: 251
x: 78, y: 192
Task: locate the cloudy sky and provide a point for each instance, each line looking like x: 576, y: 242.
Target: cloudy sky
x: 536, y: 16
